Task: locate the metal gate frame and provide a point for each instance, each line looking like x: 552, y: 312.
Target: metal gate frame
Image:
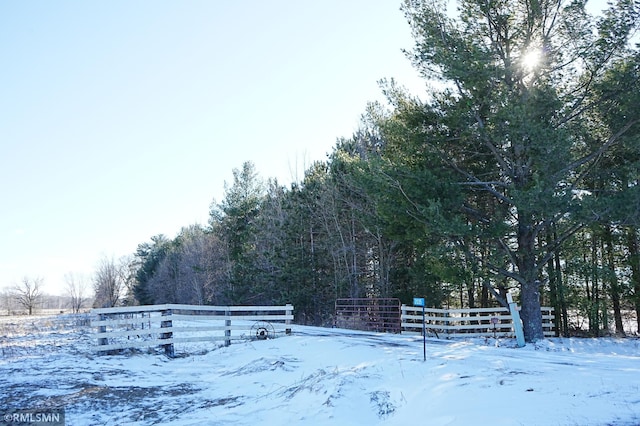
x: 369, y: 314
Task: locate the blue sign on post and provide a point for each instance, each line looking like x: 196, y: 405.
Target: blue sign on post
x: 419, y: 301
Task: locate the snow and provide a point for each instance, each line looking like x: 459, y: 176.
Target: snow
x: 319, y: 376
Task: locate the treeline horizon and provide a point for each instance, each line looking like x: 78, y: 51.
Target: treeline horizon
x: 518, y: 172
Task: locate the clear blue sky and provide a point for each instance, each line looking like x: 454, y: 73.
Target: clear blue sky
x: 121, y: 120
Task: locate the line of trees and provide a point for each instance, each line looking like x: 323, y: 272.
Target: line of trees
x: 110, y: 285
x: 513, y: 174
x: 27, y: 297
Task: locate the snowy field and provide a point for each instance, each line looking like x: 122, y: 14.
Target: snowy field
x: 320, y: 376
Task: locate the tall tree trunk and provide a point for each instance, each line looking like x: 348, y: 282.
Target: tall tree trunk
x: 614, y: 285
x: 556, y: 285
x: 594, y: 306
x: 586, y: 276
x: 471, y: 294
x: 355, y: 270
x: 561, y: 299
x: 530, y: 285
x: 484, y: 296
x: 634, y: 263
x: 530, y: 312
x: 484, y: 287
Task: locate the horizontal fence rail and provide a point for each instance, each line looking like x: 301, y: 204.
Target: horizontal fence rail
x: 477, y: 322
x: 133, y: 327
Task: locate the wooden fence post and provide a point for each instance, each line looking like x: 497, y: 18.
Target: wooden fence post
x: 167, y: 323
x: 227, y: 331
x: 445, y: 322
x: 288, y: 311
x: 102, y: 329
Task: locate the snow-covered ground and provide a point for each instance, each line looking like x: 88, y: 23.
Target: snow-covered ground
x: 320, y: 376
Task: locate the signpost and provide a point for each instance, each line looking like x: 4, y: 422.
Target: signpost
x: 419, y: 301
x: 494, y: 321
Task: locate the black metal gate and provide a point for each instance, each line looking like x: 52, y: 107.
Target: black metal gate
x: 368, y: 314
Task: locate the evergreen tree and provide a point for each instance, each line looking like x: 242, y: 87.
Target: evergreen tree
x: 234, y: 222
x: 148, y: 258
x: 505, y: 128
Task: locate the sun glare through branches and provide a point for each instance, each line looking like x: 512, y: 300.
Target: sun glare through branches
x: 531, y: 59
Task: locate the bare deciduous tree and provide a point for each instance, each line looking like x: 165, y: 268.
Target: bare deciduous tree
x: 109, y: 282
x: 76, y: 290
x: 28, y: 294
x: 7, y: 300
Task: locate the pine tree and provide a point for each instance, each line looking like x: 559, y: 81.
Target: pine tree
x: 512, y: 125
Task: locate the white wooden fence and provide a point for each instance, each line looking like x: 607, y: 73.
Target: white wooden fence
x: 163, y: 325
x: 479, y: 322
